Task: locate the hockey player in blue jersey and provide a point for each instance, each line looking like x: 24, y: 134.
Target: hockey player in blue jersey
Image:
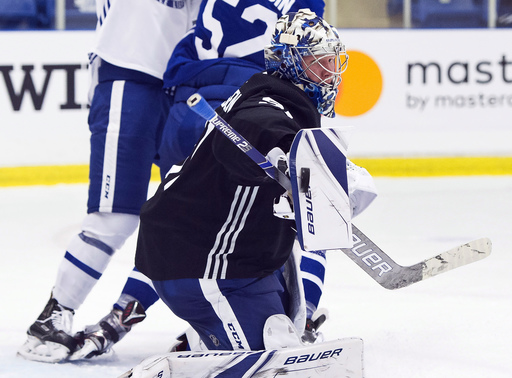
x: 134, y: 40
x: 215, y: 59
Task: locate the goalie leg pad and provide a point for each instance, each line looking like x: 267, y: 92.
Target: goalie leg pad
x: 333, y: 359
x: 155, y: 366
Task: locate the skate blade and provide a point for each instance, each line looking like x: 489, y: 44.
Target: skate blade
x: 35, y: 350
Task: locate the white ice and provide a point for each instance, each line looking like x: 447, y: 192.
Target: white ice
x: 454, y: 325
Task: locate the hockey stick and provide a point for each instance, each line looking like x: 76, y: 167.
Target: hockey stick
x: 365, y: 253
x: 390, y: 275
x: 200, y: 106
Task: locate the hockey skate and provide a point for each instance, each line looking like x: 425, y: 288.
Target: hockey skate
x: 311, y: 334
x: 98, y: 339
x: 49, y: 338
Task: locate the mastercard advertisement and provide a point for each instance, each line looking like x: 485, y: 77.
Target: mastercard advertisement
x: 427, y: 92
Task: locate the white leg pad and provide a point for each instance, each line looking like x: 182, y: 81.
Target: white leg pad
x: 332, y: 359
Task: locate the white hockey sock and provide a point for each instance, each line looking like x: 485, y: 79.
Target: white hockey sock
x: 83, y: 264
x: 88, y: 255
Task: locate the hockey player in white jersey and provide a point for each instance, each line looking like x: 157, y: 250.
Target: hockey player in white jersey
x: 134, y: 40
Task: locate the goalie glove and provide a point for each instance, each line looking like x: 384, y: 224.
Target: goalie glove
x: 361, y: 188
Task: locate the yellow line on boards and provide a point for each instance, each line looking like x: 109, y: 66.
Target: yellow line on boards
x: 378, y: 167
x: 51, y: 175
x: 436, y: 166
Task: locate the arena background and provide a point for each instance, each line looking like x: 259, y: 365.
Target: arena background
x: 417, y: 102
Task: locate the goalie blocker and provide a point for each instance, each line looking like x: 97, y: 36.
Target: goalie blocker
x: 318, y: 172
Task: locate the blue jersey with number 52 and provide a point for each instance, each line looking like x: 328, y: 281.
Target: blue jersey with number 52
x: 231, y: 32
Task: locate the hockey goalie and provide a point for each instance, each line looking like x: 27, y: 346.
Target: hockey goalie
x: 338, y: 195
x: 230, y: 266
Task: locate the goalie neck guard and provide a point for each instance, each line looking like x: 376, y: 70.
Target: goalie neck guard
x: 304, y: 34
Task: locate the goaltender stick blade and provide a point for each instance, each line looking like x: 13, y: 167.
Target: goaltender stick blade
x: 391, y: 275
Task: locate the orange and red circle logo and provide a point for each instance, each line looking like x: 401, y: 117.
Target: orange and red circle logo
x: 361, y: 86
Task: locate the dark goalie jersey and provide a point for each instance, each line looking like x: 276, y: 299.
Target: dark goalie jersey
x: 214, y: 218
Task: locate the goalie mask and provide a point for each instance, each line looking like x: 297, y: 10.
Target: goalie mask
x: 307, y: 51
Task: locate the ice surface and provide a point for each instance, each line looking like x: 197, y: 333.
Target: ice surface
x: 453, y: 325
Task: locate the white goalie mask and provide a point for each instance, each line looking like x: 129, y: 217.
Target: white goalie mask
x: 307, y: 51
